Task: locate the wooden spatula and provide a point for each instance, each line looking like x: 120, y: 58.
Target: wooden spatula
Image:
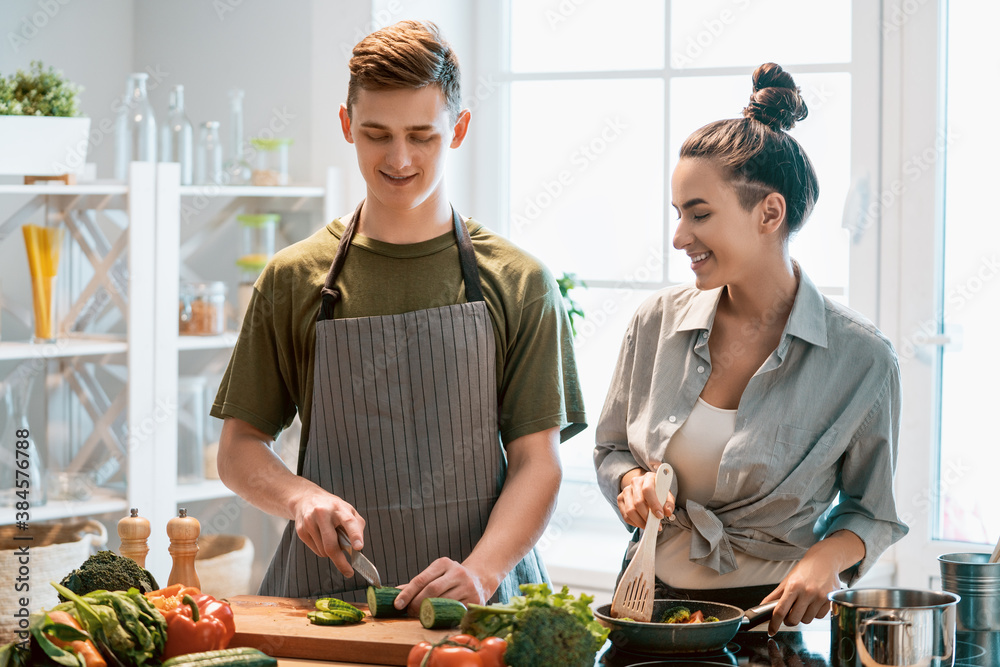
x: 634, y: 595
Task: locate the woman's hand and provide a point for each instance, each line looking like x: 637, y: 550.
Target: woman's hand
x: 802, y: 594
x: 638, y: 495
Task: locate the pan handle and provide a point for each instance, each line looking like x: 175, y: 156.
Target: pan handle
x: 758, y: 615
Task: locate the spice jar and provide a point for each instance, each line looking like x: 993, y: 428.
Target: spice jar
x: 272, y: 161
x: 202, y: 309
x: 258, y: 236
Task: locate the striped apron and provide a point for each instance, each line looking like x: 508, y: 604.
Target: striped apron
x: 405, y: 429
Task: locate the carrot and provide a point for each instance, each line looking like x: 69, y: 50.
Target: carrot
x: 82, y: 647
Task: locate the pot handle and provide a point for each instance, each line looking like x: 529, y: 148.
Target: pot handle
x: 883, y: 620
x: 758, y: 614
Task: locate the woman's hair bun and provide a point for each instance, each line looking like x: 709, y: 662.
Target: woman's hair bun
x: 776, y: 101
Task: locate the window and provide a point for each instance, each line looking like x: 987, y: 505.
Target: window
x: 596, y: 99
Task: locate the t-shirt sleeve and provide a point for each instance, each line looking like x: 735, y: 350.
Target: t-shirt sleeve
x: 253, y: 388
x: 539, y: 387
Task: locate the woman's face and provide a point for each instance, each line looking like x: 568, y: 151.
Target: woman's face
x: 721, y: 239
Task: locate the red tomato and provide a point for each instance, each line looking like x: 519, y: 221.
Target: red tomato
x: 491, y: 652
x: 443, y: 656
x: 417, y: 654
x: 467, y: 640
x: 454, y: 656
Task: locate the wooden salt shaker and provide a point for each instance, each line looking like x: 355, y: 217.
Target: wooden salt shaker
x: 134, y: 531
x: 183, y: 531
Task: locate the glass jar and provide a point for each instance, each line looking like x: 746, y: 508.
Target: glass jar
x: 250, y: 267
x: 258, y: 236
x: 208, y: 166
x: 202, y: 309
x: 272, y: 161
x: 191, y: 421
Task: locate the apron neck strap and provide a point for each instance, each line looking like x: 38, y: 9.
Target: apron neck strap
x: 466, y: 257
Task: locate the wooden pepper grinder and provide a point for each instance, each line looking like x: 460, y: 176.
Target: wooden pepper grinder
x: 134, y: 531
x: 183, y: 531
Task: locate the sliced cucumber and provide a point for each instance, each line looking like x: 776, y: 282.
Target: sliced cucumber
x: 334, y: 617
x: 334, y: 604
x: 438, y: 613
x: 380, y: 602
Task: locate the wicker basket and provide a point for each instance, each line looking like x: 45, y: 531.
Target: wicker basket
x: 55, y: 550
x: 224, y: 564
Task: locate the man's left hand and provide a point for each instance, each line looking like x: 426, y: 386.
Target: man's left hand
x: 445, y: 578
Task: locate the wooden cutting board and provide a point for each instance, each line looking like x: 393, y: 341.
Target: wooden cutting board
x: 279, y: 627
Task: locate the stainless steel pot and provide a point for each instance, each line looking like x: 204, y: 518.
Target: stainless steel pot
x: 879, y: 627
x: 977, y: 581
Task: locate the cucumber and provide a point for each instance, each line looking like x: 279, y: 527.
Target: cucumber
x: 333, y: 617
x: 334, y: 604
x: 380, y: 602
x: 229, y: 657
x: 438, y: 613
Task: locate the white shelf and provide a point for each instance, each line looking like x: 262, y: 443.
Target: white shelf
x: 220, y: 342
x: 209, y: 489
x: 61, y: 349
x: 58, y: 188
x: 253, y: 191
x: 101, y: 502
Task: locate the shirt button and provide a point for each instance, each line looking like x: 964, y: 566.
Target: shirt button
x: 704, y: 334
x: 671, y: 419
x: 701, y: 369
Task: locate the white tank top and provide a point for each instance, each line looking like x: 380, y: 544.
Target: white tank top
x: 695, y: 452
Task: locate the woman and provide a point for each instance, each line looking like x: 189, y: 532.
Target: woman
x: 767, y: 398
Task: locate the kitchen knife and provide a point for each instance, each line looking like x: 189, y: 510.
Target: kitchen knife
x: 361, y: 565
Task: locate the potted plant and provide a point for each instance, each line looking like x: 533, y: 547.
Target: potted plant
x: 40, y: 128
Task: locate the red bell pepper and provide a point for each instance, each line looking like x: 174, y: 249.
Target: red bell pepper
x: 195, y: 622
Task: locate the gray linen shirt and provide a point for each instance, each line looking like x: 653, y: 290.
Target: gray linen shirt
x: 820, y: 417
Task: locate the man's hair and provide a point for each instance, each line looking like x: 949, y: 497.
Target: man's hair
x: 408, y: 54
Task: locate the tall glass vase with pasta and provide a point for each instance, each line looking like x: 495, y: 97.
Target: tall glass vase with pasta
x: 43, y: 244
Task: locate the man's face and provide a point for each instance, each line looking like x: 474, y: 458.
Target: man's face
x: 401, y: 137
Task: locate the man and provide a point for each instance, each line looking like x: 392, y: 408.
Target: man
x: 408, y: 339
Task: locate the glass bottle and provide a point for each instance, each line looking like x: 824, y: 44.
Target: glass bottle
x: 208, y: 166
x: 20, y: 465
x: 236, y: 168
x: 135, y: 127
x: 177, y: 137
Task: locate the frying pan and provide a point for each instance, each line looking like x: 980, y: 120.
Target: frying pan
x: 671, y: 638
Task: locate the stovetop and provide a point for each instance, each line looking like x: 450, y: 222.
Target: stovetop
x: 810, y: 648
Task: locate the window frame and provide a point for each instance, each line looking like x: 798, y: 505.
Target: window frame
x: 867, y: 290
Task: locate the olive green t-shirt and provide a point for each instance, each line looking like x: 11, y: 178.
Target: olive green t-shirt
x: 270, y: 375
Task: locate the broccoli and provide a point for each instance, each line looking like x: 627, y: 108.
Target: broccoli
x: 544, y: 636
x: 676, y: 615
x: 107, y: 571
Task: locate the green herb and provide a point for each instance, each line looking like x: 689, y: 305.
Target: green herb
x: 38, y: 92
x: 129, y: 629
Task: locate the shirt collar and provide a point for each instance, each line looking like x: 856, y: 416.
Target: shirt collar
x: 807, y: 319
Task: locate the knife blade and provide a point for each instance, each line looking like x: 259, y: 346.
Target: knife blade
x: 361, y: 565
